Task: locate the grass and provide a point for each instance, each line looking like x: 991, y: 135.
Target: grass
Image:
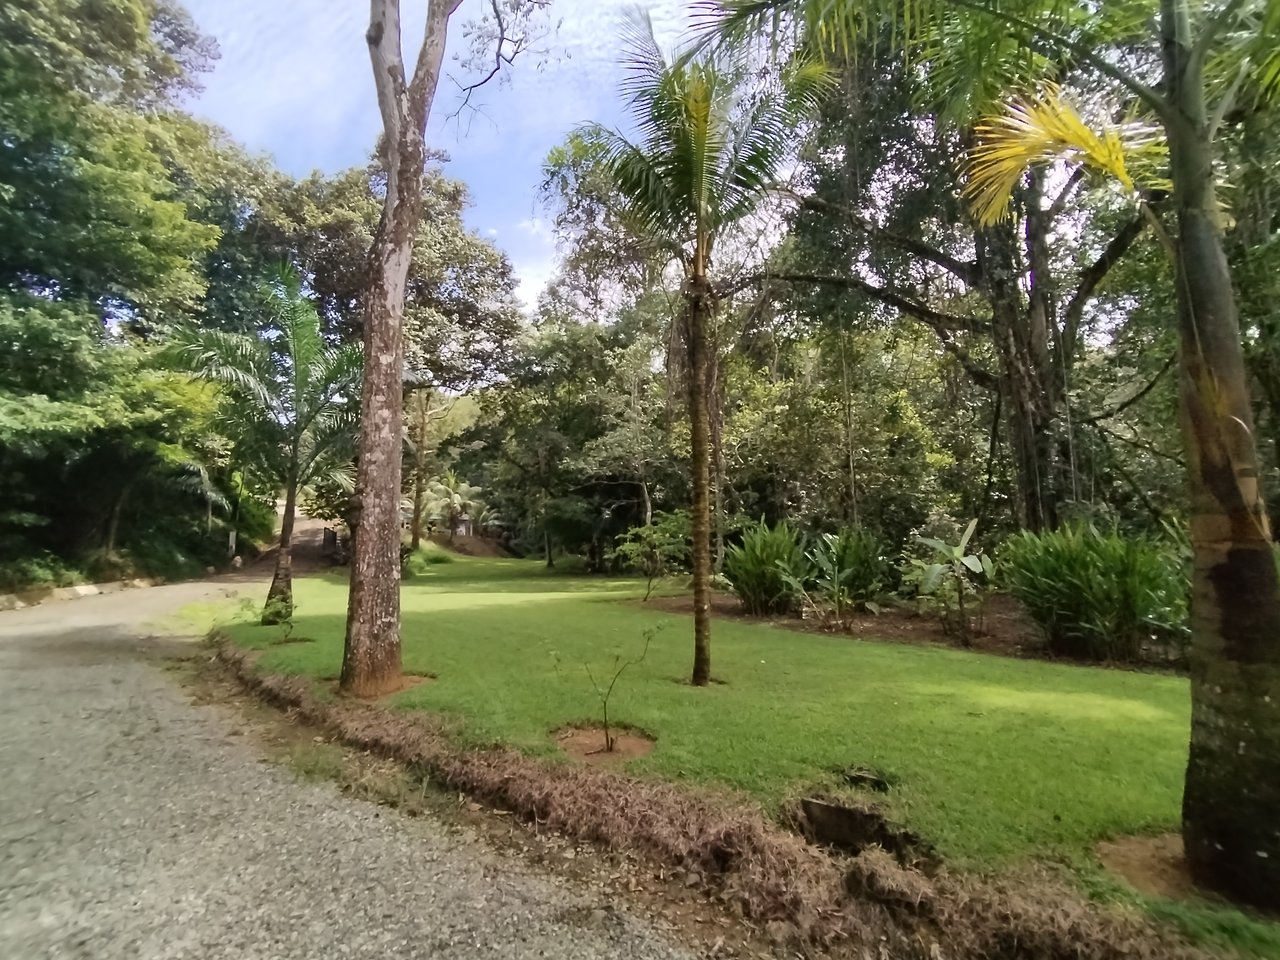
x: 994, y: 761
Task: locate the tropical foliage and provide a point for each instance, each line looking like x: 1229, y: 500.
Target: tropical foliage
x: 291, y: 395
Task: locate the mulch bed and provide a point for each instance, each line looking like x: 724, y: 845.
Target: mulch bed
x: 1006, y: 631
x: 587, y: 744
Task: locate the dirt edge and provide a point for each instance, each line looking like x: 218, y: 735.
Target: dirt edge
x: 801, y: 895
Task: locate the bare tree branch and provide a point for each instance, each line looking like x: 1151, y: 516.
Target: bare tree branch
x: 1060, y: 202
x: 1094, y: 274
x: 944, y: 325
x: 1126, y: 404
x: 966, y: 270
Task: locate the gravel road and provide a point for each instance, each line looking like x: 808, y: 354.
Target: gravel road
x: 134, y: 824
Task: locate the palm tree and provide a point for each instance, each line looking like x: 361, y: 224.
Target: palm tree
x: 293, y: 396
x: 1232, y: 788
x: 452, y: 500
x: 710, y: 146
x: 424, y: 410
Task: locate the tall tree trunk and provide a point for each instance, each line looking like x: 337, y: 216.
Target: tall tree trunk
x: 698, y: 309
x: 371, y: 656
x: 113, y: 522
x: 1231, y: 803
x: 416, y: 527
x: 1026, y: 379
x: 279, y: 605
x: 848, y: 429
x: 646, y: 501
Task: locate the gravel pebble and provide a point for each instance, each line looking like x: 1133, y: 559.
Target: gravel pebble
x: 136, y: 825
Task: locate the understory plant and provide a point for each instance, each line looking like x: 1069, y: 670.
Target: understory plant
x: 655, y: 549
x: 953, y: 584
x: 764, y: 567
x: 1099, y: 594
x: 845, y: 574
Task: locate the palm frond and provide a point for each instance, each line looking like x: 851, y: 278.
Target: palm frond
x: 642, y: 60
x: 710, y: 137
x: 239, y: 362
x: 765, y: 133
x: 1040, y: 130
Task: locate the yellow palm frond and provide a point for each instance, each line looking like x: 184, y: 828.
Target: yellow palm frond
x: 1040, y: 130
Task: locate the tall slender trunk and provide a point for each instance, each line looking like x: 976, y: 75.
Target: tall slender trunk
x: 848, y: 430
x: 416, y: 527
x: 371, y: 661
x: 698, y: 309
x: 646, y: 501
x: 371, y: 656
x: 113, y: 522
x: 1026, y: 379
x: 279, y: 605
x: 1231, y: 824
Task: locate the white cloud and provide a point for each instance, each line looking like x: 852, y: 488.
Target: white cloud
x: 535, y: 227
x: 531, y: 279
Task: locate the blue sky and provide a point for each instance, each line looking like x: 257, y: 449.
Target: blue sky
x: 294, y: 81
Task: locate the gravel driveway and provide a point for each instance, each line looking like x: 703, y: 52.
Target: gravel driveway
x: 136, y: 825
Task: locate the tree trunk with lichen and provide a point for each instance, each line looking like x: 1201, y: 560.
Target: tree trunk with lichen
x: 1231, y: 802
x: 371, y: 655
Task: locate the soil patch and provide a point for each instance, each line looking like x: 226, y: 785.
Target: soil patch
x: 472, y: 546
x: 406, y: 682
x: 588, y: 744
x: 1156, y: 866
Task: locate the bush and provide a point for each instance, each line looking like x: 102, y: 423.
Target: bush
x: 41, y: 569
x: 953, y: 584
x: 655, y: 550
x: 859, y: 556
x: 416, y: 562
x: 845, y: 574
x: 762, y: 569
x: 1099, y: 595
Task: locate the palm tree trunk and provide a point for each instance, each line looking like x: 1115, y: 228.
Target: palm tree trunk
x: 1232, y: 794
x: 279, y: 605
x: 697, y: 310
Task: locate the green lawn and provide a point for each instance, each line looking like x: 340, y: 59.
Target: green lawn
x: 992, y: 760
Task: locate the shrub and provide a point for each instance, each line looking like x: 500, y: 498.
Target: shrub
x: 416, y: 562
x: 860, y: 555
x: 1099, y: 595
x: 655, y: 550
x: 41, y: 569
x: 953, y: 584
x: 845, y: 573
x: 762, y: 568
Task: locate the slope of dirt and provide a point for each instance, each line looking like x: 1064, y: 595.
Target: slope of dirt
x: 471, y: 546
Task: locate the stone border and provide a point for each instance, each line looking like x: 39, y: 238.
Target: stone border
x: 33, y: 598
